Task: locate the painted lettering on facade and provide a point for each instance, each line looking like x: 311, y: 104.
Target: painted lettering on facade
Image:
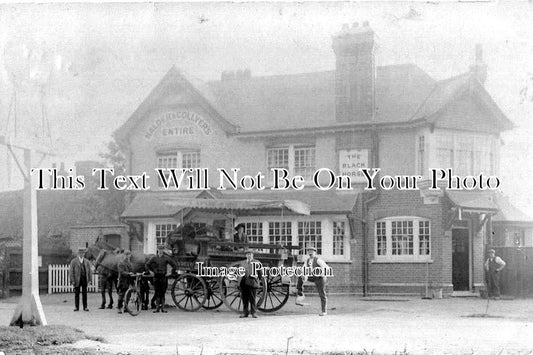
x: 351, y: 162
x: 178, y: 123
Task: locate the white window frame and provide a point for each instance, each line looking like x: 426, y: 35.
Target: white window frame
x: 179, y: 155
x: 291, y: 162
x: 172, y: 225
x: 473, y: 146
x: 307, y: 226
x: 327, y: 233
x: 335, y: 236
x: 388, y: 256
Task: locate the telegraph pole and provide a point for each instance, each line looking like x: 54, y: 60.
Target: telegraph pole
x: 29, y: 310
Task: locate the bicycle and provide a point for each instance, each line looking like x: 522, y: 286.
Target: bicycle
x: 132, y: 298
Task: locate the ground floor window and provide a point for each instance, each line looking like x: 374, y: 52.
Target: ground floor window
x: 161, y: 231
x: 310, y: 235
x: 402, y: 238
x: 339, y: 235
x: 280, y: 233
x: 254, y: 230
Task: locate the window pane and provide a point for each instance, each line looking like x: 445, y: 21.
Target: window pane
x: 310, y: 234
x: 190, y: 160
x: 421, y: 155
x: 254, y: 230
x: 402, y: 237
x: 381, y: 239
x: 278, y: 158
x: 161, y: 231
x: 280, y: 233
x: 424, y: 238
x: 338, y: 238
x: 304, y: 161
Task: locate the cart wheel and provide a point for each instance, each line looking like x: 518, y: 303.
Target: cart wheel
x: 132, y: 302
x: 189, y: 292
x: 231, y: 293
x: 214, y: 297
x: 276, y: 294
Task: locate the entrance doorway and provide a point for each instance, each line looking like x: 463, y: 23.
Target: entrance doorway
x: 460, y: 259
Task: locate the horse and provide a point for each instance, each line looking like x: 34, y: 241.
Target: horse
x: 108, y: 260
x: 108, y: 276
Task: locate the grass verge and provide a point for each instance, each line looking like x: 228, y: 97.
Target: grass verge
x: 42, y: 340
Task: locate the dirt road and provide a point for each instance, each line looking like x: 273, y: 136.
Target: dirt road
x: 353, y: 324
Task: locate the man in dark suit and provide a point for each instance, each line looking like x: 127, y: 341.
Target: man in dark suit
x: 80, y: 276
x: 240, y: 236
x: 249, y: 284
x: 158, y: 265
x: 125, y: 278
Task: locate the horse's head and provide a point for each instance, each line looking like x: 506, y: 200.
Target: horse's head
x: 92, y: 252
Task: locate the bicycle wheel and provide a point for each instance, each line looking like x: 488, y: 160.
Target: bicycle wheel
x: 132, y: 302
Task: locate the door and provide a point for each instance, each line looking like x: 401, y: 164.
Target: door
x: 460, y: 260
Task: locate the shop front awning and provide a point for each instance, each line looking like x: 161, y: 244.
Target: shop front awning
x: 239, y: 206
x: 152, y: 205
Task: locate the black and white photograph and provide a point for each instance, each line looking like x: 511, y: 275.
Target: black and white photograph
x: 266, y: 178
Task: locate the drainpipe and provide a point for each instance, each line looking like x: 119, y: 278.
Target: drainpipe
x: 366, y: 202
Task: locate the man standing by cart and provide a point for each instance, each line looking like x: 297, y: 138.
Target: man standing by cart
x: 240, y: 236
x: 124, y: 278
x: 314, y: 263
x: 249, y: 284
x: 158, y: 264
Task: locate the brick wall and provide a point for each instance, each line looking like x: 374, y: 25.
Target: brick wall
x: 409, y: 277
x: 81, y: 237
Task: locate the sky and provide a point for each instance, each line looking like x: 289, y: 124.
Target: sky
x: 90, y: 65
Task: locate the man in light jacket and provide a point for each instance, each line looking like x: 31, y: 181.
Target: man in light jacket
x: 80, y: 276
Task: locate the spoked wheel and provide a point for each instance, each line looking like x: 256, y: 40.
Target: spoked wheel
x: 231, y: 294
x: 276, y: 294
x: 189, y: 292
x: 214, y: 297
x: 132, y: 302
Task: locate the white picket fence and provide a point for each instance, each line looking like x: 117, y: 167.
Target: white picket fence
x: 59, y: 280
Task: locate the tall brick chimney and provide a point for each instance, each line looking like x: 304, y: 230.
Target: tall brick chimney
x: 479, y: 68
x: 354, y: 73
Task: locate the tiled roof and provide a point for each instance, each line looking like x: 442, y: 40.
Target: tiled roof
x: 308, y: 99
x: 508, y: 212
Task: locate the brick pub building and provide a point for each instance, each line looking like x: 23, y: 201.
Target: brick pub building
x: 393, y: 117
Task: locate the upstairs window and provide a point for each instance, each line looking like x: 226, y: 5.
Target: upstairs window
x: 181, y: 159
x: 465, y: 154
x: 297, y: 159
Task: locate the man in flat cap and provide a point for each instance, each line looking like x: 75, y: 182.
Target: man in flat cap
x: 80, y: 276
x: 313, y: 262
x: 158, y: 265
x: 249, y: 284
x: 493, y: 266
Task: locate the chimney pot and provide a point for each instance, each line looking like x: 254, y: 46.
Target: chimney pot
x: 345, y: 27
x: 365, y: 24
x: 355, y: 25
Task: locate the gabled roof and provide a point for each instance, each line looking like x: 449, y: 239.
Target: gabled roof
x: 173, y: 80
x: 447, y: 91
